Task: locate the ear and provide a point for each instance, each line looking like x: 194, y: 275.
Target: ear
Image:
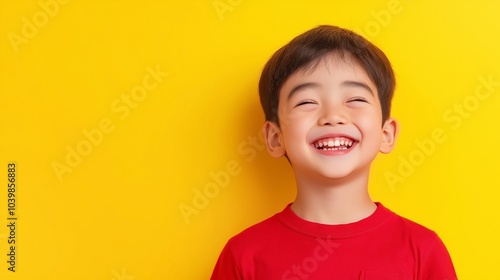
x: 274, y: 141
x: 389, y: 135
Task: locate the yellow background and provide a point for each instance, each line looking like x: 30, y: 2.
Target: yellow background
x: 118, y: 213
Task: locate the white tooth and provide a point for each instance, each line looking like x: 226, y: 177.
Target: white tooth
x: 320, y: 144
x: 337, y: 143
x: 330, y: 143
x: 350, y: 143
x: 342, y: 142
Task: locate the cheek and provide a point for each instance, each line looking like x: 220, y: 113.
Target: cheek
x: 364, y: 116
x: 290, y: 119
x: 371, y: 114
x: 296, y: 121
x: 369, y: 124
x: 294, y: 129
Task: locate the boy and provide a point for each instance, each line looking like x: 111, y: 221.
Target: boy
x: 327, y: 96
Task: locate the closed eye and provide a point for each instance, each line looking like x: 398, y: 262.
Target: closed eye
x: 304, y: 102
x: 358, y: 99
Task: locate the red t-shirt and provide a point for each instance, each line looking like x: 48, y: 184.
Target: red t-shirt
x: 381, y: 246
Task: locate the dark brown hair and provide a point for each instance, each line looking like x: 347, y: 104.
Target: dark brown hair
x: 311, y: 46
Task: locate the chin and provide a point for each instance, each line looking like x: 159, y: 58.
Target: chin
x: 343, y: 174
x: 336, y: 175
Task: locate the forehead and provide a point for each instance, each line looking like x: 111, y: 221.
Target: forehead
x: 336, y: 65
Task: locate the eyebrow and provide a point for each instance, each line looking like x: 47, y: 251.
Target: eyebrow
x: 347, y: 83
x: 357, y: 84
x: 301, y: 87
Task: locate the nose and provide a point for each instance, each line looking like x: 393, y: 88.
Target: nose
x: 332, y: 116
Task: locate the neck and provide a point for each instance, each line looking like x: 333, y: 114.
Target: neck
x: 333, y: 202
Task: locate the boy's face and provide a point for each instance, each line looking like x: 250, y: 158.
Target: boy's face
x: 330, y: 120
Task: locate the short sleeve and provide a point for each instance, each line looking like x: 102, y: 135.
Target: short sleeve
x: 226, y: 267
x: 437, y: 265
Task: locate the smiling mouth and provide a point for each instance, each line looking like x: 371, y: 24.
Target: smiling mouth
x: 333, y: 144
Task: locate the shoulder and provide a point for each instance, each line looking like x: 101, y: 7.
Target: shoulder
x: 414, y: 234
x: 414, y: 229
x: 237, y: 256
x: 258, y: 234
x: 433, y: 257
